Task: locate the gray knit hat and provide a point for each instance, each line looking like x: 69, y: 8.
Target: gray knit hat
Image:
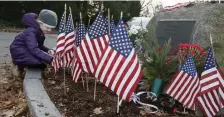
x: 48, y: 18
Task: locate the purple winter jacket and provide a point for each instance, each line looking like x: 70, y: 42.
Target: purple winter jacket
x: 27, y: 48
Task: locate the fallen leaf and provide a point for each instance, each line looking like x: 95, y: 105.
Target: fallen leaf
x: 8, y: 113
x: 158, y: 113
x: 161, y: 114
x: 98, y: 111
x: 67, y: 90
x: 61, y: 104
x: 57, y: 87
x: 53, y: 82
x: 142, y: 113
x: 6, y: 104
x: 21, y: 109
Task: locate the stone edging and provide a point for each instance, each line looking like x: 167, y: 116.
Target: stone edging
x: 39, y: 103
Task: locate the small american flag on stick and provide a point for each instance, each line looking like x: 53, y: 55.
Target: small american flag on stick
x: 211, y: 98
x: 94, y: 43
x: 69, y: 43
x: 57, y: 60
x: 119, y: 68
x: 76, y: 69
x: 185, y: 85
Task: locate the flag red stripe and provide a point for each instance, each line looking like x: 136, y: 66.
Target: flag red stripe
x: 111, y: 66
x: 212, y: 105
x: 203, y: 107
x: 172, y: 80
x: 69, y: 46
x: 191, y: 102
x: 123, y: 74
x: 208, y: 74
x: 88, y: 50
x: 130, y: 77
x: 88, y: 63
x: 178, y: 80
x: 211, y: 110
x: 191, y: 93
x: 185, y: 88
x: 181, y: 86
x: 77, y: 57
x: 62, y: 37
x: 120, y: 75
x: 105, y: 40
x: 104, y: 65
x: 94, y: 50
x: 101, y: 45
x: 213, y: 95
x: 209, y: 82
x: 76, y: 72
x: 116, y: 71
x: 84, y: 58
x: 133, y: 88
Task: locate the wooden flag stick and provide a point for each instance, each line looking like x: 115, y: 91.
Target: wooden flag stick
x: 89, y: 22
x: 65, y: 12
x: 83, y: 84
x: 76, y: 24
x: 64, y: 57
x: 87, y: 83
x: 211, y: 40
x: 118, y: 107
x: 80, y: 14
x: 121, y: 14
x: 109, y: 21
x: 101, y: 7
x: 94, y: 96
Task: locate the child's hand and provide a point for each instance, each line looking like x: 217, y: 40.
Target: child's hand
x: 51, y: 52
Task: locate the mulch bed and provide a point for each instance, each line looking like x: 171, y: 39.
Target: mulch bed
x: 12, y: 99
x: 79, y: 103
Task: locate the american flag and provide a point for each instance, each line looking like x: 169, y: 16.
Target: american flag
x: 185, y: 85
x: 94, y: 43
x: 210, y: 77
x: 112, y: 25
x: 119, y: 68
x: 211, y: 98
x: 80, y: 33
x: 69, y: 42
x: 211, y: 102
x: 57, y: 60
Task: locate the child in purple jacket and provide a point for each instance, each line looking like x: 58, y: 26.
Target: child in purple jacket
x: 27, y: 49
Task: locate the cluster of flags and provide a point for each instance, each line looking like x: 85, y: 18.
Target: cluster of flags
x: 111, y: 58
x: 207, y: 91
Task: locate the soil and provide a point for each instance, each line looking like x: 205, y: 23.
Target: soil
x: 79, y: 103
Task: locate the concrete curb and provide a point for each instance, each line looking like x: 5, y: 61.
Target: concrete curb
x: 39, y: 103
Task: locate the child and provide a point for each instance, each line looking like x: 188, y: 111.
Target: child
x: 27, y: 49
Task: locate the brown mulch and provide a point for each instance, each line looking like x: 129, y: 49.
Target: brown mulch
x: 79, y: 103
x: 12, y: 99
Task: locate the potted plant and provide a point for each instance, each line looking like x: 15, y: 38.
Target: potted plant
x: 157, y: 62
x: 159, y: 66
